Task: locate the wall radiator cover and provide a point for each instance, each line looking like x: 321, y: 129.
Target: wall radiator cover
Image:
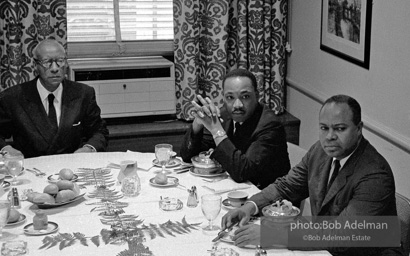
x: 128, y: 86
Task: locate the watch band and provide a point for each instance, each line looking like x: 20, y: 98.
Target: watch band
x: 219, y: 133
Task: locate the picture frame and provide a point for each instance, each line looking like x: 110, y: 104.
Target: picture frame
x: 346, y: 30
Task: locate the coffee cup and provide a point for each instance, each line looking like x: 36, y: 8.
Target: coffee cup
x: 237, y: 198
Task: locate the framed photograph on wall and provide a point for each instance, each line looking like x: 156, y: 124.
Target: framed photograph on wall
x: 345, y: 30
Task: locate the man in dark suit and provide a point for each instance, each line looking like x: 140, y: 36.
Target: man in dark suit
x: 343, y: 174
x: 50, y: 114
x: 257, y: 150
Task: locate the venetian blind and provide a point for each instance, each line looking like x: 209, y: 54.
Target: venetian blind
x: 98, y: 20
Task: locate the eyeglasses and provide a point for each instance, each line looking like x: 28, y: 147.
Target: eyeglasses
x: 48, y: 63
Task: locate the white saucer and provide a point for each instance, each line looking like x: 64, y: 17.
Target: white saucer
x: 171, y: 164
x: 51, y: 228
x: 171, y: 182
x: 20, y: 220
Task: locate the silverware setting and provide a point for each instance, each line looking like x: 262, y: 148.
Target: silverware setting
x: 37, y: 173
x: 40, y: 172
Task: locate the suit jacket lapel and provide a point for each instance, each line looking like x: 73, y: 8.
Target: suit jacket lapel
x: 322, y: 179
x: 345, y: 172
x: 33, y: 106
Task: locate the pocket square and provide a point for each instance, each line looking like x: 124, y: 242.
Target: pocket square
x: 77, y: 124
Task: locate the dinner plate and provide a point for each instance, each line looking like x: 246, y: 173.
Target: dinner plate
x: 172, y: 181
x: 6, y: 185
x: 51, y: 228
x: 48, y: 205
x: 171, y: 164
x: 195, y: 173
x: 56, y: 177
x: 20, y: 220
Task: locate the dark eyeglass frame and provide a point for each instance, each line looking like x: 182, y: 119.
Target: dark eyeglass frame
x: 47, y: 63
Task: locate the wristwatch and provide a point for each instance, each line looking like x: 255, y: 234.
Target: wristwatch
x: 219, y: 133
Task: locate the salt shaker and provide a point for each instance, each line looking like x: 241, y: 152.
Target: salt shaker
x: 192, y: 198
x: 15, y: 199
x: 260, y: 251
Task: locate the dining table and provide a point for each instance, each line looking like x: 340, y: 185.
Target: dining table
x: 79, y: 227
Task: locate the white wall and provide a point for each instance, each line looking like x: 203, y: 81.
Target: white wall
x: 383, y: 91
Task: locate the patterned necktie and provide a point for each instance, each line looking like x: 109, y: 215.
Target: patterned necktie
x: 334, y: 174
x: 52, y: 115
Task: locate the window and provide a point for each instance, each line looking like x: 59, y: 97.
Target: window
x: 140, y: 25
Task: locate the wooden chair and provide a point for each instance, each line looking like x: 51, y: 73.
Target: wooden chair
x: 403, y: 212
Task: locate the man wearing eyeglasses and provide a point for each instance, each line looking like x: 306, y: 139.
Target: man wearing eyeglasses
x: 50, y: 114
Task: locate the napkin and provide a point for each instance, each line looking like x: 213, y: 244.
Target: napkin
x: 127, y: 169
x: 225, y: 185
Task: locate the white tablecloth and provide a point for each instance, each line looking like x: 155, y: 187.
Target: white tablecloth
x: 77, y: 216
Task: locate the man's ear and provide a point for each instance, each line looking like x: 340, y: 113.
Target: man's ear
x: 360, y: 127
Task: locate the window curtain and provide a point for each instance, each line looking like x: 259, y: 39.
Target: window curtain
x: 23, y: 24
x: 213, y: 37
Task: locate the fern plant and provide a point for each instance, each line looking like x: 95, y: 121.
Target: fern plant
x: 124, y: 228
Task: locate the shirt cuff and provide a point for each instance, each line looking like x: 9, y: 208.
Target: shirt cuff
x: 91, y: 147
x: 256, y: 207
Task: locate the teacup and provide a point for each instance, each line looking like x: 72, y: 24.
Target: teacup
x: 237, y: 198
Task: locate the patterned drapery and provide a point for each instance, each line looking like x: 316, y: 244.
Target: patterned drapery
x: 23, y: 24
x: 212, y: 37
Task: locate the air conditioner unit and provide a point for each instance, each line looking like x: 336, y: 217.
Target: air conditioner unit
x: 133, y: 86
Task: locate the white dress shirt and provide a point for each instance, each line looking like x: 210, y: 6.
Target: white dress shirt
x: 57, y: 98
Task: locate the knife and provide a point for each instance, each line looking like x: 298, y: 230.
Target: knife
x: 222, y: 233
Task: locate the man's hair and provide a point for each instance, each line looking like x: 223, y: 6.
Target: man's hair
x: 48, y: 40
x: 351, y: 102
x: 241, y: 73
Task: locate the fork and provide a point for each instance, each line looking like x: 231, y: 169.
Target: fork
x: 39, y: 172
x: 36, y: 173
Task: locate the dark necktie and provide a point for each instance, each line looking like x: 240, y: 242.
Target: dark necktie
x: 237, y: 127
x: 334, y: 174
x: 52, y: 115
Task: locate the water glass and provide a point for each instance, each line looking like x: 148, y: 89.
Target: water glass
x: 211, y: 207
x: 163, y: 154
x: 14, y: 164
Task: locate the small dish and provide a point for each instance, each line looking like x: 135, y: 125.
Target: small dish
x: 48, y: 205
x: 170, y: 204
x: 194, y: 171
x: 20, y: 220
x: 56, y: 177
x: 171, y: 164
x: 6, y: 185
x: 51, y: 228
x: 172, y: 181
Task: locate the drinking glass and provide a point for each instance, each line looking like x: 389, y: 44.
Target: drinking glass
x: 211, y: 206
x: 163, y: 154
x: 4, y: 215
x: 14, y: 165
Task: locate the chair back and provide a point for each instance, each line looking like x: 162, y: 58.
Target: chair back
x: 403, y: 212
